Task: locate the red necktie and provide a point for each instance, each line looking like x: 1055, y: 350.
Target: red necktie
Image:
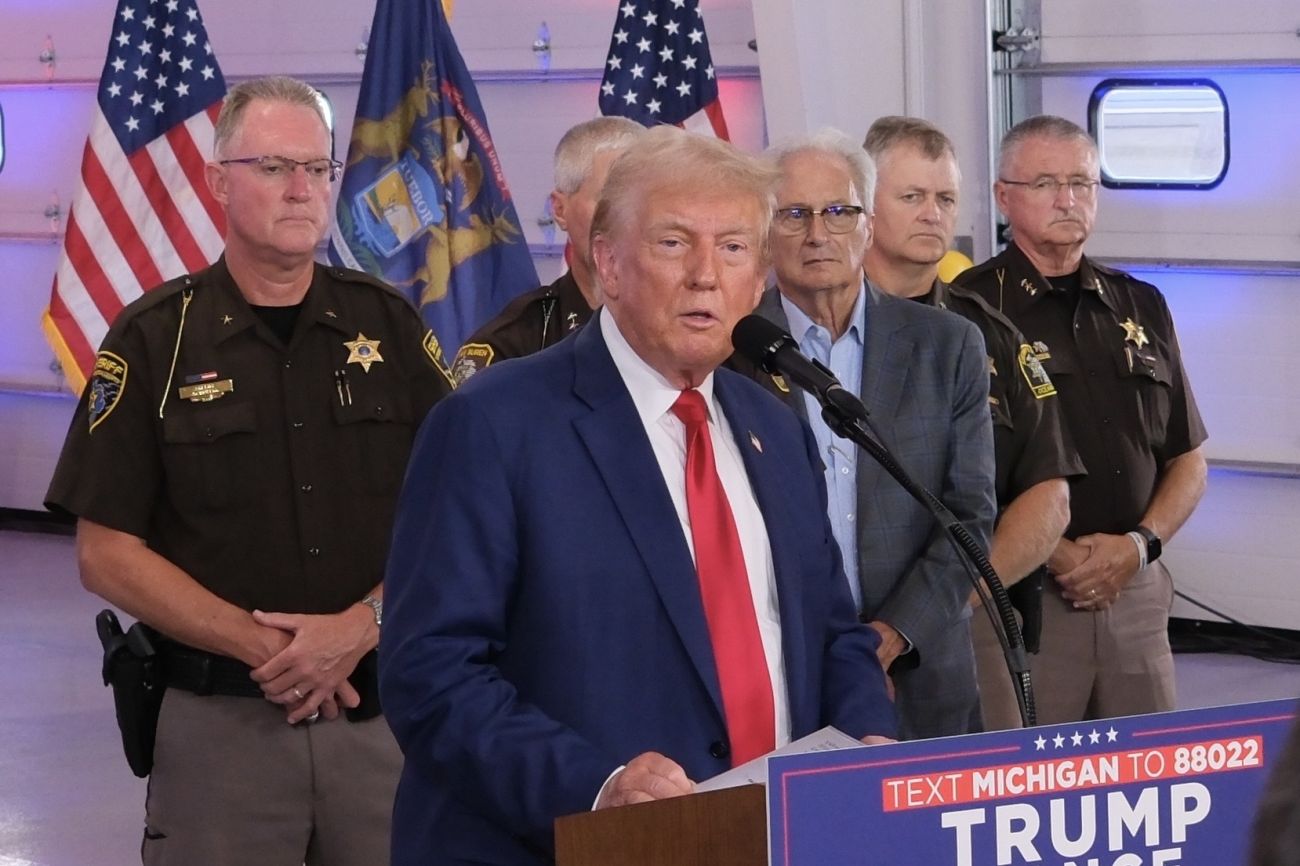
x: 724, y: 588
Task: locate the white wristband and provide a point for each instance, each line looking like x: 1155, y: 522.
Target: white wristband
x: 1141, y: 543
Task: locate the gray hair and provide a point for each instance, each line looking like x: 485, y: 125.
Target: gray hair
x: 1041, y: 126
x: 861, y: 167
x: 273, y: 88
x: 579, y: 146
x: 665, y: 157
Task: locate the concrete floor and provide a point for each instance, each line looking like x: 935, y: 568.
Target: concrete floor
x: 66, y: 795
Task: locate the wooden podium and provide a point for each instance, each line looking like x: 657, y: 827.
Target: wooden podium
x: 717, y: 828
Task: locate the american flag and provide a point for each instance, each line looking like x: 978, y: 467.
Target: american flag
x: 142, y: 213
x: 659, y: 69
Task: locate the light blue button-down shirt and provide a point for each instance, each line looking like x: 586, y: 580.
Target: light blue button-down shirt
x: 844, y: 357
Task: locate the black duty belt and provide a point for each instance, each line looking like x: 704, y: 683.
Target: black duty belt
x: 205, y: 673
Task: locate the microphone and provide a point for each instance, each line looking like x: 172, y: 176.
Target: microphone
x: 775, y: 351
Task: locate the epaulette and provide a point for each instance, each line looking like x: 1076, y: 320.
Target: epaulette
x: 153, y: 298
x: 974, y: 297
x: 975, y: 270
x: 348, y: 275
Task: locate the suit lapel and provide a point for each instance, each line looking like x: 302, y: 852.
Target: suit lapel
x: 889, y: 350
x: 765, y: 479
x: 614, y: 437
x: 769, y: 307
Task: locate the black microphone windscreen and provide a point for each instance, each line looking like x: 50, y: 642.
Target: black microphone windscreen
x: 755, y: 338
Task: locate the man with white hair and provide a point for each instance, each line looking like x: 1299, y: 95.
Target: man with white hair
x: 546, y: 315
x: 923, y: 377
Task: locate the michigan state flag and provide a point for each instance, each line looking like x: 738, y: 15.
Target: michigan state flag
x: 424, y: 203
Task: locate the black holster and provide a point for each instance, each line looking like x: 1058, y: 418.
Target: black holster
x: 1027, y: 597
x: 133, y: 670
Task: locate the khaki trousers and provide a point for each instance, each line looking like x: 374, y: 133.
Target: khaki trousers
x: 1113, y: 662
x: 998, y: 705
x: 234, y: 785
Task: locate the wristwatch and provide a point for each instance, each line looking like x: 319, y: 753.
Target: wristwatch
x: 1154, y: 546
x: 377, y: 604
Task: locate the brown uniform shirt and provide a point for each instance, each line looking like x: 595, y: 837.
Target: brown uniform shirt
x: 268, y: 473
x: 528, y: 324
x: 1112, y: 354
x: 1029, y: 439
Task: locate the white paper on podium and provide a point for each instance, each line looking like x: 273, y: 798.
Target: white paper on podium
x: 828, y: 739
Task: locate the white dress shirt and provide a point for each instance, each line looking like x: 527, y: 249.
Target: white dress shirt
x: 654, y: 398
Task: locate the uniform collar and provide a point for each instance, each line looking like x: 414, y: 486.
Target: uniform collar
x: 324, y: 303
x: 1033, y: 285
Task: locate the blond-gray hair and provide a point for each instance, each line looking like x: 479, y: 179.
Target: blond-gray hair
x: 666, y: 157
x: 579, y: 146
x: 273, y: 88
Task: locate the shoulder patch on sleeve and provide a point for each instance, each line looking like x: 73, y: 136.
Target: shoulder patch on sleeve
x: 471, y: 358
x: 107, y: 383
x: 433, y: 349
x: 1032, y: 369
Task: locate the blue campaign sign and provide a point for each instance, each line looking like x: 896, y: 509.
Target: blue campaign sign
x: 1169, y: 789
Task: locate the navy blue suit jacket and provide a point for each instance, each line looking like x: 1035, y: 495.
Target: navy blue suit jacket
x: 543, y: 620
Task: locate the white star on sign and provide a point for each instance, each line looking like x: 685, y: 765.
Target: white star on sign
x: 1058, y: 741
x: 1040, y: 743
x: 1077, y: 739
x: 1111, y: 735
x: 1094, y: 738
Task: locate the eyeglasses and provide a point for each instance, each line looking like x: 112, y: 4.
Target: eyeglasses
x: 281, y: 167
x: 1050, y: 186
x: 839, y: 218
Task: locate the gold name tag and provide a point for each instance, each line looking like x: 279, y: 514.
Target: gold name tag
x: 205, y: 392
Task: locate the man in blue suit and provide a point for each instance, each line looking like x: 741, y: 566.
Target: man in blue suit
x: 922, y: 374
x: 556, y: 637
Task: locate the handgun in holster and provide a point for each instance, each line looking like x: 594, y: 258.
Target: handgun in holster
x: 1027, y: 597
x: 134, y: 671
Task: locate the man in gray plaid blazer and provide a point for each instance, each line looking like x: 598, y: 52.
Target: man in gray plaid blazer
x: 923, y: 376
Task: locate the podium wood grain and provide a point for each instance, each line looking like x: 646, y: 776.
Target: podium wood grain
x: 718, y: 828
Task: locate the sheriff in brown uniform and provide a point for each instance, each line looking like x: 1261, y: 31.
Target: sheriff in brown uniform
x: 234, y: 465
x: 1107, y: 341
x: 544, y: 316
